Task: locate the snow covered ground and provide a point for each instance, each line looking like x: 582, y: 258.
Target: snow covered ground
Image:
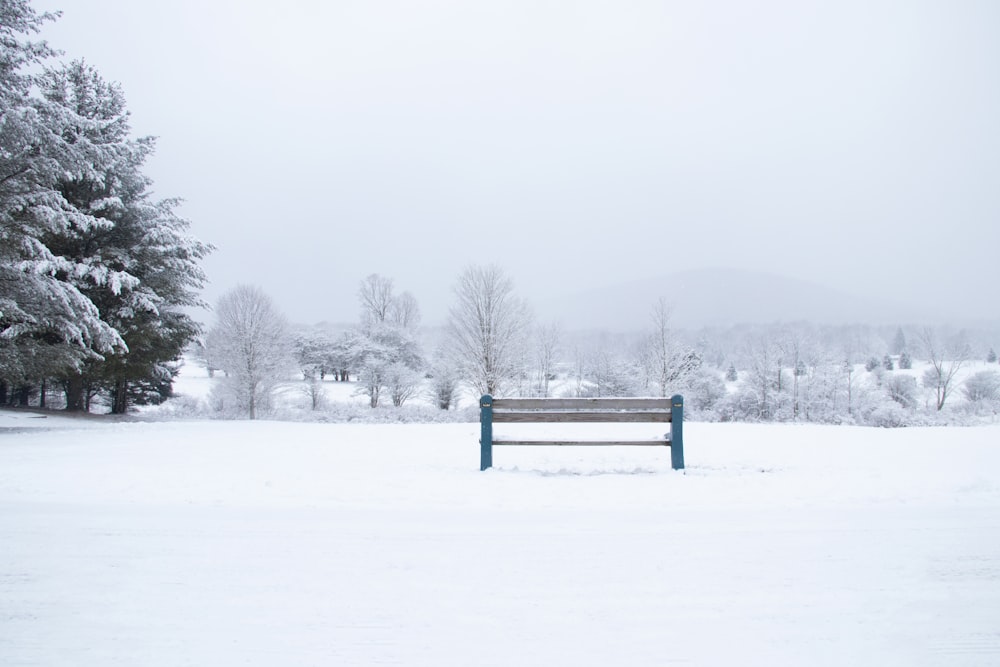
x: 263, y: 543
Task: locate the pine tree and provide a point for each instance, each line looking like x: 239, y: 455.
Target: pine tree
x: 141, y: 244
x: 991, y: 357
x: 899, y: 342
x: 905, y: 363
x: 93, y: 273
x: 46, y: 323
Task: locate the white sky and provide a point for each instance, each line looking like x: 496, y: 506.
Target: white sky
x: 577, y: 144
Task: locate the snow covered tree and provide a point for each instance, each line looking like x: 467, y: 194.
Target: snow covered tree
x: 404, y: 312
x: 905, y: 362
x: 403, y: 382
x: 609, y: 370
x: 671, y: 361
x: 731, y: 374
x: 887, y: 363
x: 991, y: 356
x: 46, y: 323
x: 445, y: 379
x: 765, y: 375
x: 94, y: 276
x: 378, y: 353
x: 383, y: 350
x: 487, y: 328
x: 251, y: 343
x: 546, y: 339
x: 898, y: 342
x: 143, y: 243
x: 314, y: 351
x: 376, y: 297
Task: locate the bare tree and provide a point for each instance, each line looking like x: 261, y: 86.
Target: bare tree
x: 487, y: 327
x: 946, y: 361
x: 404, y: 311
x: 547, y: 339
x: 252, y: 346
x: 671, y: 362
x: 375, y: 295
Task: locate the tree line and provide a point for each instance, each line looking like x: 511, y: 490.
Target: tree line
x: 95, y: 272
x: 492, y: 344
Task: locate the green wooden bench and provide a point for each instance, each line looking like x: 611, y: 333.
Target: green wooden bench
x: 582, y: 410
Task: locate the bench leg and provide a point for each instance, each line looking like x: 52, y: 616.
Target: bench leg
x: 485, y: 432
x: 677, y: 432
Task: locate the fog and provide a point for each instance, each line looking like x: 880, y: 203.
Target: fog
x: 578, y: 145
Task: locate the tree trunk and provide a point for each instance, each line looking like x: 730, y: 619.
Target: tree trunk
x: 74, y: 394
x: 119, y: 398
x: 41, y: 394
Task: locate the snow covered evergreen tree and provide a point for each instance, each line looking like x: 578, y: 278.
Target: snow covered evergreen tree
x: 898, y: 342
x: 93, y: 275
x: 46, y: 323
x: 142, y: 243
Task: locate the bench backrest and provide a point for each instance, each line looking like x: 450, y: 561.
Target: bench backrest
x: 521, y: 410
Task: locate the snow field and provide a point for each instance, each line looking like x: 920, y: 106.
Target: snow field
x: 239, y: 543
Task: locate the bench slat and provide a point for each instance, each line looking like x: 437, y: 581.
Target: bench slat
x: 581, y: 403
x: 662, y: 442
x: 579, y: 417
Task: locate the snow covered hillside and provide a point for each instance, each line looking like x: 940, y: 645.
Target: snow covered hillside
x: 263, y: 543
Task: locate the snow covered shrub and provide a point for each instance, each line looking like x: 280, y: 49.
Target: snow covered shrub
x: 404, y: 382
x: 887, y: 363
x: 703, y: 391
x: 742, y: 405
x: 888, y: 415
x: 983, y: 386
x: 991, y: 357
x: 902, y: 389
x: 731, y: 375
x: 872, y: 364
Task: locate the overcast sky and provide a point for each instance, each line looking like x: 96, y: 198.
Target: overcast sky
x: 577, y: 144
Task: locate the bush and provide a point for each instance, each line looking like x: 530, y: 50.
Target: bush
x: 984, y: 386
x: 905, y: 363
x: 902, y: 389
x: 888, y: 415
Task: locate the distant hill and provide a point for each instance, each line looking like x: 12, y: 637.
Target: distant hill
x: 718, y: 297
